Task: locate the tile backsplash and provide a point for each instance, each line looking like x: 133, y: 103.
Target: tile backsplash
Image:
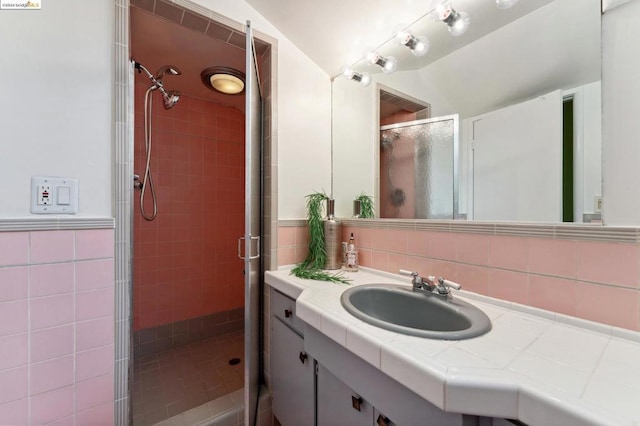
x: 56, y: 327
x: 594, y: 280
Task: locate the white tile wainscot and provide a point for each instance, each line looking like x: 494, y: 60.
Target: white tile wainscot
x: 536, y: 366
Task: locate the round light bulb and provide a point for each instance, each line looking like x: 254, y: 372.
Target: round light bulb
x: 346, y: 71
x: 350, y: 74
x: 418, y: 45
x: 421, y: 46
x: 506, y: 4
x: 390, y: 65
x: 460, y: 24
x: 365, y: 79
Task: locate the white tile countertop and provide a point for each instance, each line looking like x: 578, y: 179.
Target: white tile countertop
x: 536, y: 366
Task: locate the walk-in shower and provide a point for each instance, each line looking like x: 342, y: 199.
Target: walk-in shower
x: 188, y: 310
x: 170, y: 98
x: 195, y: 351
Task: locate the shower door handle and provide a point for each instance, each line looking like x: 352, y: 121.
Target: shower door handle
x: 257, y: 239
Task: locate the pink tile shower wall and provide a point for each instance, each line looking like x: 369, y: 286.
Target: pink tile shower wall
x: 185, y: 261
x: 591, y: 280
x: 57, y: 327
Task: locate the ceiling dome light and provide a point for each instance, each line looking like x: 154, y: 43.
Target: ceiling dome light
x: 418, y: 45
x: 388, y: 64
x: 506, y: 4
x: 228, y: 81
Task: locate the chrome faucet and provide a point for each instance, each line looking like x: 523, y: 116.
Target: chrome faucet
x: 420, y: 283
x: 440, y: 287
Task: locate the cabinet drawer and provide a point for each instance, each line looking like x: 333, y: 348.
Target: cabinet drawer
x: 337, y: 404
x: 292, y: 379
x: 284, y: 308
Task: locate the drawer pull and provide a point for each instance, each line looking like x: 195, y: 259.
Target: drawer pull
x: 303, y: 357
x: 356, y: 402
x: 383, y: 421
x: 288, y: 313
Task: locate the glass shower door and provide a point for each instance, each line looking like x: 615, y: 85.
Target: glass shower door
x: 418, y: 169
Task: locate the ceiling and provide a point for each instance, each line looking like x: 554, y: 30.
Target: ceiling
x: 334, y: 33
x: 505, y: 57
x: 157, y: 41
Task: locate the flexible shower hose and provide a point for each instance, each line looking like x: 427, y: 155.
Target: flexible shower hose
x: 148, y: 179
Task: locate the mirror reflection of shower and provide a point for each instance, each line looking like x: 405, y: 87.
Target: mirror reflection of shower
x: 170, y: 98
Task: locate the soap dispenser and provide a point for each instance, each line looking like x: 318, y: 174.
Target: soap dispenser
x: 332, y: 236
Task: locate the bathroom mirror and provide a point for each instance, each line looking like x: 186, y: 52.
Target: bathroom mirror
x: 508, y: 77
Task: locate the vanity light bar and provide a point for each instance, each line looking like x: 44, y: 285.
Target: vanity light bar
x: 457, y: 24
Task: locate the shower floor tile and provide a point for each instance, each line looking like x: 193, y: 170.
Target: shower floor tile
x: 185, y: 377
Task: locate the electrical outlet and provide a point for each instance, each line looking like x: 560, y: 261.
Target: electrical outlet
x: 44, y: 195
x: 54, y: 195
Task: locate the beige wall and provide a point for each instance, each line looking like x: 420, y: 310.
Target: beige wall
x: 57, y: 113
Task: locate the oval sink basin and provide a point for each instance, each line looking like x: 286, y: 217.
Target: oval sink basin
x: 402, y: 310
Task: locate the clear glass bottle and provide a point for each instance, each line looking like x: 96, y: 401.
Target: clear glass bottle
x: 352, y: 255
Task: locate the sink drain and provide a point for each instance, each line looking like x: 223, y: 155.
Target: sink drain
x: 234, y: 361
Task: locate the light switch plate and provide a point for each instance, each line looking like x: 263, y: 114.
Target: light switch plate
x: 45, y: 193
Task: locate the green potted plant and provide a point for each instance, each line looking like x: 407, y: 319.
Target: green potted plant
x: 311, y: 267
x: 366, y: 206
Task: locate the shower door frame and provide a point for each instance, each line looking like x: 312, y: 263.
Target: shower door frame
x: 455, y: 148
x: 123, y: 125
x: 253, y: 277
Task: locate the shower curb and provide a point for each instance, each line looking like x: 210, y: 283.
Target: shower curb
x: 227, y: 410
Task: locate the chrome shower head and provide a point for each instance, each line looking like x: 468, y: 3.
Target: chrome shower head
x: 170, y: 98
x: 167, y: 69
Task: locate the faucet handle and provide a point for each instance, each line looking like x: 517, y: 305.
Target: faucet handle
x: 417, y: 281
x: 406, y: 272
x: 450, y: 284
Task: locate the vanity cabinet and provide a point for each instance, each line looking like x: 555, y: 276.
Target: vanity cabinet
x: 338, y: 404
x: 343, y: 375
x: 315, y: 381
x: 292, y: 369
